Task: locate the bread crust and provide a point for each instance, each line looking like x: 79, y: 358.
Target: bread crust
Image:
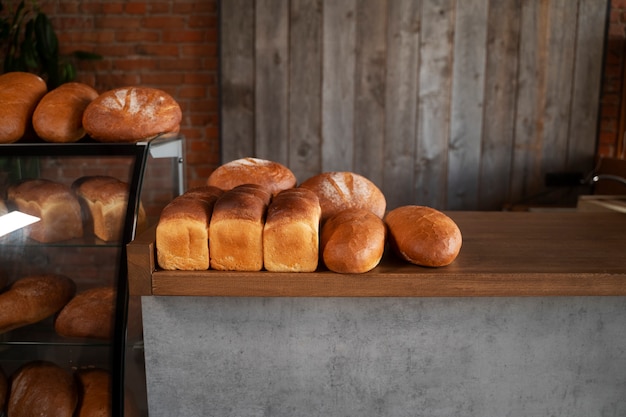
x: 90, y: 314
x: 353, y: 241
x: 34, y: 298
x: 20, y: 93
x: 54, y: 203
x: 423, y: 235
x: 182, y: 233
x: 274, y: 176
x: 42, y: 388
x: 291, y: 232
x: 342, y: 190
x: 131, y: 114
x: 236, y: 229
x: 58, y: 116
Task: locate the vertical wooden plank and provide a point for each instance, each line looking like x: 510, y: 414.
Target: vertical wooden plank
x: 305, y: 74
x: 369, y: 111
x: 433, y: 117
x: 339, y: 36
x: 531, y: 96
x: 237, y: 79
x: 468, y: 85
x: 401, y: 101
x: 271, y: 79
x: 499, y: 111
x: 592, y: 17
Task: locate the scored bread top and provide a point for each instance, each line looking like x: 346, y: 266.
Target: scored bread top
x: 40, y: 191
x: 102, y: 188
x: 274, y: 176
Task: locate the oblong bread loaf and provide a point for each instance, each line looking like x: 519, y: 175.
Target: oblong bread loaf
x: 90, y: 314
x: 20, y: 93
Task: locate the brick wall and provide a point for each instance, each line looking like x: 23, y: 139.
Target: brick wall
x: 166, y: 44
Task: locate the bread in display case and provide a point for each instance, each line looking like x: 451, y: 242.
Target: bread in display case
x: 64, y: 303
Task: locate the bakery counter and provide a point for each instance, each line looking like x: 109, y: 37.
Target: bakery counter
x: 503, y: 254
x: 529, y: 320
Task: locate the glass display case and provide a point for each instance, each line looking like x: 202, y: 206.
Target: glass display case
x: 90, y: 259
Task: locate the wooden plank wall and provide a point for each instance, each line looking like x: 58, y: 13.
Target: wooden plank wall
x: 459, y: 105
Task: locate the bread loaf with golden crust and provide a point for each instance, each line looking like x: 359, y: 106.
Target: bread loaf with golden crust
x: 34, y: 298
x: 182, y: 232
x: 342, y: 190
x: 90, y: 314
x: 20, y: 93
x: 353, y: 241
x: 236, y: 229
x: 274, y: 176
x: 105, y: 201
x: 59, y: 115
x: 54, y: 203
x: 131, y: 114
x: 42, y: 388
x: 291, y: 232
x: 423, y: 235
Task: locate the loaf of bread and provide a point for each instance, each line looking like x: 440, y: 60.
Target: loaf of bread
x: 34, y: 298
x: 20, y: 93
x: 54, y: 203
x: 423, y: 235
x: 90, y: 314
x: 182, y: 233
x: 105, y: 201
x: 236, y: 229
x: 353, y: 241
x: 95, y: 398
x: 338, y: 191
x: 274, y: 176
x: 291, y: 232
x: 59, y: 115
x: 131, y: 114
x: 42, y: 388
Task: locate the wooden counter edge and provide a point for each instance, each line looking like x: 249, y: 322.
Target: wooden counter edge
x: 140, y: 259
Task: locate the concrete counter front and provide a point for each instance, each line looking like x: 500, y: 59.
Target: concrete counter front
x: 530, y: 320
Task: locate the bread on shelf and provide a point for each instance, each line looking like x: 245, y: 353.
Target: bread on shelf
x: 131, y: 114
x: 291, y: 232
x: 59, y: 115
x: 272, y: 175
x: 20, y: 93
x: 105, y: 201
x: 54, y: 203
x: 90, y: 314
x: 182, y: 232
x: 34, y: 298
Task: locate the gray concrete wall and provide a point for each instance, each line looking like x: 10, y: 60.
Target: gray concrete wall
x: 483, y: 357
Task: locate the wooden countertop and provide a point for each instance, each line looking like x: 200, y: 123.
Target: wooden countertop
x: 503, y: 254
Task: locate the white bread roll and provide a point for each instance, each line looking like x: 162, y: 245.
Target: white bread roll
x: 59, y: 115
x: 131, y: 114
x: 353, y: 241
x: 338, y: 191
x: 34, y: 298
x: 291, y: 232
x: 236, y: 229
x: 423, y: 235
x: 273, y: 176
x: 19, y: 94
x: 182, y: 233
x: 105, y: 201
x: 54, y: 203
x: 42, y: 388
x: 90, y: 314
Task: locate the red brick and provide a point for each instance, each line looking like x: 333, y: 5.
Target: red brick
x: 162, y: 78
x: 156, y: 8
x: 183, y: 35
x: 203, y: 21
x: 131, y: 64
x: 200, y: 49
x: 112, y: 8
x: 192, y: 92
x: 137, y: 36
x: 116, y: 22
x: 195, y: 7
x: 200, y: 78
x: 135, y: 8
x: 187, y: 64
x: 161, y: 22
x: 170, y: 50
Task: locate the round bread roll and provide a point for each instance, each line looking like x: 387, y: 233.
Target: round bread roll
x: 34, y: 298
x: 131, y: 114
x: 19, y: 94
x: 42, y: 388
x: 353, y: 241
x: 59, y: 115
x: 274, y: 176
x: 338, y: 191
x: 423, y: 236
x: 89, y: 314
